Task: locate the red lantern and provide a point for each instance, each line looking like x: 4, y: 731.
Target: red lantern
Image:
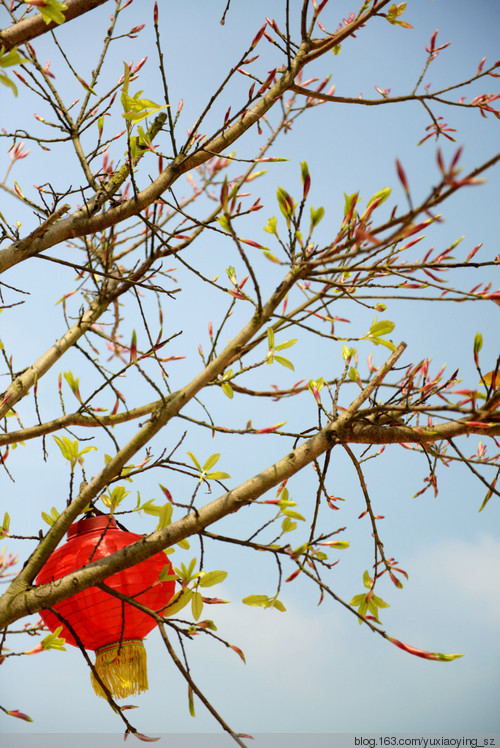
x: 103, y: 623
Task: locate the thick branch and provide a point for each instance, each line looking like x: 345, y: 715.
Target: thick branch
x: 34, y: 26
x: 80, y: 223
x: 21, y: 600
x: 170, y: 407
x: 22, y: 384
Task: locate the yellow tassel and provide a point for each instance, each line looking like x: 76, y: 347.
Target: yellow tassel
x: 122, y: 668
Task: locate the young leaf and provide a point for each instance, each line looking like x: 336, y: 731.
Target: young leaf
x: 384, y: 327
x: 270, y: 227
x: 196, y: 605
x: 178, y: 602
x: 212, y: 577
x: 316, y: 216
x: 51, y: 10
x: 216, y: 476
x: 380, y: 197
x: 286, y: 344
x: 284, y: 362
x: 197, y: 464
x: 306, y: 179
x: 54, y: 641
x: 212, y: 460
x: 227, y: 390
x: 293, y: 514
x: 4, y: 530
x: 288, y: 525
x: 256, y: 600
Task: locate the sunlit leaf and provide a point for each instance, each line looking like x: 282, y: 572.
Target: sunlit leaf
x: 212, y: 577
x: 196, y: 605
x: 212, y: 460
x: 284, y: 362
x: 197, y: 464
x: 178, y: 602
x: 379, y: 197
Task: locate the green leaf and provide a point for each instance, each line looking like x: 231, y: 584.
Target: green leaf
x: 394, y: 12
x: 197, y: 464
x: 316, y: 216
x: 115, y: 497
x: 353, y: 374
x: 379, y: 602
x: 54, y: 641
x: 136, y: 109
x: 478, y: 343
x: 224, y: 223
x: 256, y: 600
x: 362, y: 610
x: 7, y: 59
x: 216, y: 476
x: 284, y: 362
x: 74, y: 384
x: 212, y: 577
x: 304, y: 171
x: 286, y: 344
x: 272, y: 257
x: 50, y: 518
x: 196, y: 605
x: 70, y: 451
x: 166, y: 575
x: 52, y: 11
x: 285, y: 201
x: 288, y: 525
x: 212, y: 460
x: 6, y: 524
x: 380, y: 196
x: 279, y: 606
x: 270, y: 227
x: 270, y: 338
x: 227, y: 390
x: 358, y: 599
x: 12, y: 57
x: 383, y: 327
x: 47, y: 518
x: 190, y: 568
x: 300, y: 550
x: 178, y: 602
x: 381, y: 341
x: 263, y: 601
x: 350, y: 201
x: 293, y: 514
x: 486, y: 499
x: 150, y: 508
x: 366, y: 580
x: 165, y: 516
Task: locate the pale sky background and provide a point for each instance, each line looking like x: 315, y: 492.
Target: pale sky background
x: 311, y: 669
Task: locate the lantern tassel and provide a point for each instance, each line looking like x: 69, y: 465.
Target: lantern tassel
x: 122, y: 668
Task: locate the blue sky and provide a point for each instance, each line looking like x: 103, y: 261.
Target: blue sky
x: 311, y: 669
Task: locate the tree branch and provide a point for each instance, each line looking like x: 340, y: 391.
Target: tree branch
x: 28, y: 29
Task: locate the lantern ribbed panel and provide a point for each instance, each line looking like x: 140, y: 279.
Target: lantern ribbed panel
x: 98, y: 618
